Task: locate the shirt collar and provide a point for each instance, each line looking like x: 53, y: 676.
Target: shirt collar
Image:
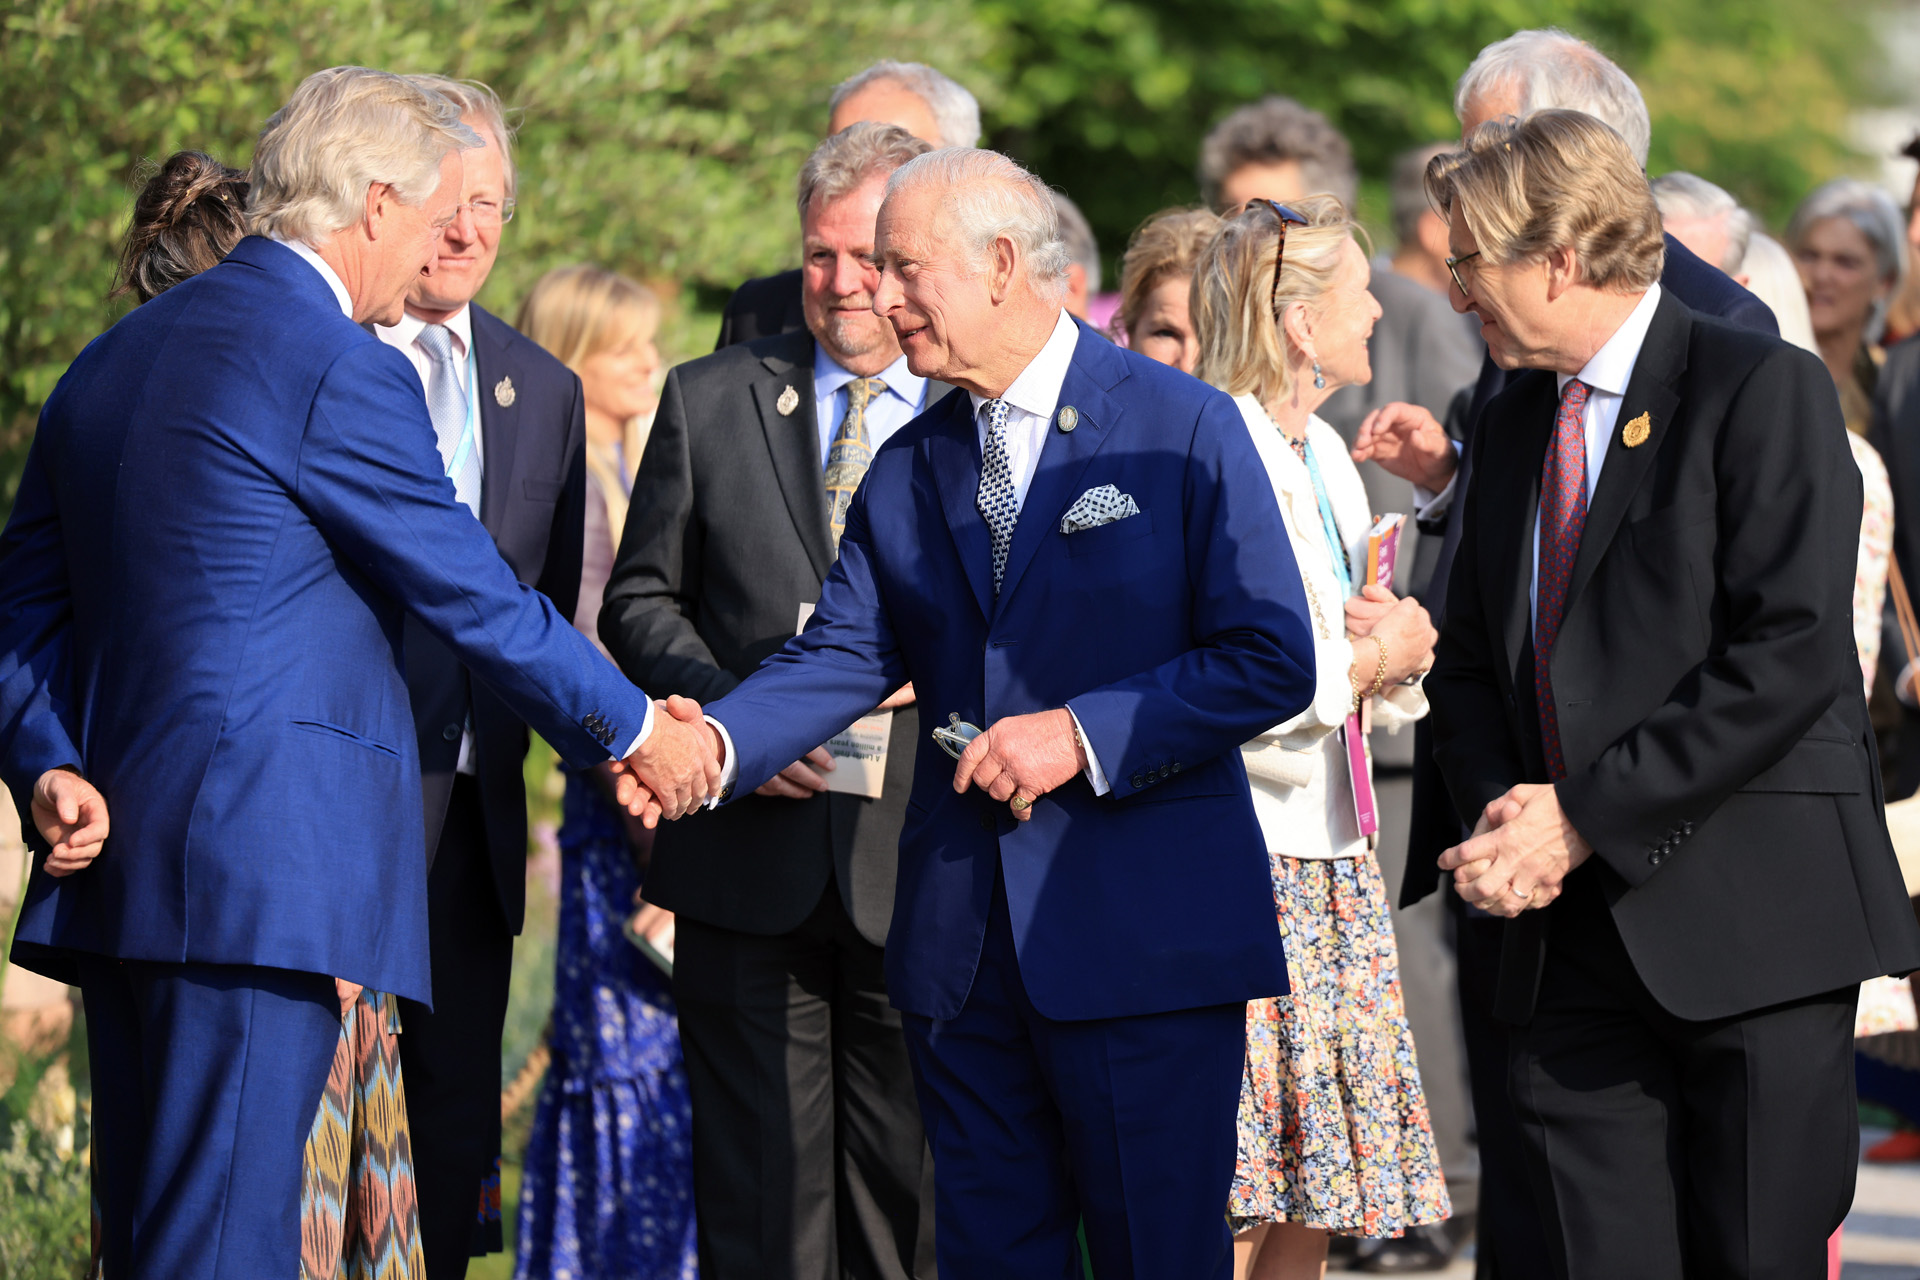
x: 327, y: 273
x: 1612, y: 365
x: 829, y: 376
x: 460, y: 324
x: 1037, y: 389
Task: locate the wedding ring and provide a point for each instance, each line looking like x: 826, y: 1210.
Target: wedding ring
x: 1020, y: 802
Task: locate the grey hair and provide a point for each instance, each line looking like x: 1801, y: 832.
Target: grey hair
x: 1082, y: 248
x: 1547, y: 67
x: 483, y: 104
x: 1687, y: 195
x: 1407, y: 188
x: 850, y: 157
x: 1874, y: 212
x: 988, y: 196
x: 955, y: 111
x: 343, y: 130
x: 1274, y: 130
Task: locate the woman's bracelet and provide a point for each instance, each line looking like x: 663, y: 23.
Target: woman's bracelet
x: 1380, y: 674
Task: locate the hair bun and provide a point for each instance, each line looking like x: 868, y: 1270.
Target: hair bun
x: 190, y: 211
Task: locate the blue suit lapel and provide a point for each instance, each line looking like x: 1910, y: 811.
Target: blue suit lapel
x: 954, y: 453
x: 1065, y: 455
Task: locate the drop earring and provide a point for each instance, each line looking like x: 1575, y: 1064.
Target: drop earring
x: 1319, y: 379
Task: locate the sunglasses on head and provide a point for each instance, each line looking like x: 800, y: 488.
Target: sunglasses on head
x: 1285, y: 216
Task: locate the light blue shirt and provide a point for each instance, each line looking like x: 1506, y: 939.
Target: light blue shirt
x: 901, y: 403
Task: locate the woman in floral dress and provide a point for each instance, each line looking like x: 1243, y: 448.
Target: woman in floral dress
x: 1334, y: 1134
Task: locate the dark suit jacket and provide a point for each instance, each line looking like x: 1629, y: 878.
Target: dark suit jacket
x: 1706, y: 290
x: 533, y: 492
x: 726, y: 537
x: 761, y: 308
x: 1717, y: 749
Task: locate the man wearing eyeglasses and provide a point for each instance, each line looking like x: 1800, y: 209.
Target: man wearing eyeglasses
x: 510, y: 424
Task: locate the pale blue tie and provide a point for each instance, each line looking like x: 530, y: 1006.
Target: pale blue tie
x: 996, y: 499
x: 447, y: 405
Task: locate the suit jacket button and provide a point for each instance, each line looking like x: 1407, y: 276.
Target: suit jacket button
x: 986, y: 822
x: 1138, y: 780
x: 1656, y: 858
x: 1166, y: 771
x: 1176, y: 766
x: 451, y: 733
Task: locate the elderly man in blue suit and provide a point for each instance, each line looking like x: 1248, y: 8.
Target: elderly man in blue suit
x: 1082, y: 555
x: 233, y: 498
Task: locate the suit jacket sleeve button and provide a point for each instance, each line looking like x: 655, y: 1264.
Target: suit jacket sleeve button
x: 1138, y: 780
x: 451, y: 733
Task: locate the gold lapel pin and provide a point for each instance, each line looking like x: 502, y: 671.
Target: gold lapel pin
x: 1068, y: 418
x: 504, y: 394
x: 1637, y: 432
x: 789, y: 401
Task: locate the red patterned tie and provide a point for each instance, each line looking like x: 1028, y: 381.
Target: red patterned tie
x: 1563, y: 515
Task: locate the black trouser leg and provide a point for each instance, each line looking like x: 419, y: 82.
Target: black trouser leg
x: 451, y: 1054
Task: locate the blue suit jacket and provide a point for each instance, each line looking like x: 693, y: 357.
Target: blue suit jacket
x: 1175, y: 635
x: 233, y: 496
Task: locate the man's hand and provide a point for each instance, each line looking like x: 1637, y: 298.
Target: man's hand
x: 675, y: 769
x: 72, y: 817
x: 1520, y: 852
x: 901, y: 697
x: 1021, y: 758
x: 346, y: 993
x: 1408, y: 442
x: 800, y: 779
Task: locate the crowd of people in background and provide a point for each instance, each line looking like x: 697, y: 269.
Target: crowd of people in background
x: 759, y: 1064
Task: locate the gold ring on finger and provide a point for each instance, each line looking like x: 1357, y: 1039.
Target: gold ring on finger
x: 1020, y: 802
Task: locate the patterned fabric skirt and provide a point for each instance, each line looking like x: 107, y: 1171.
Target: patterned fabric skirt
x: 606, y: 1190
x: 1333, y: 1124
x: 359, y: 1219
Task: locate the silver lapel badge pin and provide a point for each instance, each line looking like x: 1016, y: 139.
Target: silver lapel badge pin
x: 1068, y: 418
x: 504, y: 394
x: 789, y: 401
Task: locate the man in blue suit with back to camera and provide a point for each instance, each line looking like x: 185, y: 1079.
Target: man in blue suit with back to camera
x: 233, y: 498
x: 1081, y: 555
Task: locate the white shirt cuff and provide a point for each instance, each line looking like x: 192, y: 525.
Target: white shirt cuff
x: 1429, y: 506
x: 729, y: 764
x: 646, y: 731
x: 1096, y: 776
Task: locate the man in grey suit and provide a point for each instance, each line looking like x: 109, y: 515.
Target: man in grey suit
x: 809, y: 1158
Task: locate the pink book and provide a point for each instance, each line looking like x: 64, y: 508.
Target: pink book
x: 1383, y: 552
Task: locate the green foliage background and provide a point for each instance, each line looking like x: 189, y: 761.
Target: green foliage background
x: 661, y: 136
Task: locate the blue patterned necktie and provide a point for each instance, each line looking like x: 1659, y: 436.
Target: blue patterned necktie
x: 996, y: 498
x: 850, y: 453
x: 1563, y: 517
x: 447, y: 405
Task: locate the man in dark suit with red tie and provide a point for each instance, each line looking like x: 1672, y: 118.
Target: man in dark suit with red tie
x: 1646, y: 701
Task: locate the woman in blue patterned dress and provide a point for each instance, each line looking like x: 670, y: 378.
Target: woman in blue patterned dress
x: 1334, y: 1134
x: 607, y: 1187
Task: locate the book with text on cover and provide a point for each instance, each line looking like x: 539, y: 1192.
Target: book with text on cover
x: 1383, y: 553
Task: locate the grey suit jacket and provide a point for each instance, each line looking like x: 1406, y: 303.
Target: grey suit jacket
x: 726, y: 537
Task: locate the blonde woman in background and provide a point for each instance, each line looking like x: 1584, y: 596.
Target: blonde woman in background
x: 1155, y: 277
x: 1334, y: 1135
x: 608, y: 1183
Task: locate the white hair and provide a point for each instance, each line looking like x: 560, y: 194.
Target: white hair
x: 1548, y: 67
x: 1082, y: 248
x: 1773, y: 278
x: 480, y: 102
x: 343, y: 130
x: 955, y: 112
x: 1878, y: 219
x: 988, y: 196
x: 841, y: 163
x: 1687, y: 195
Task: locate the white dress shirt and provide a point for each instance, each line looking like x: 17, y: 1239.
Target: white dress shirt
x: 1606, y: 376
x: 1034, y: 396
x: 904, y: 398
x: 345, y: 300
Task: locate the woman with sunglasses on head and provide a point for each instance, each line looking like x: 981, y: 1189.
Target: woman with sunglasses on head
x: 1334, y: 1134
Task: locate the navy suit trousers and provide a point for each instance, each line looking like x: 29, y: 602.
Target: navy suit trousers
x: 1037, y: 1124
x: 206, y: 1080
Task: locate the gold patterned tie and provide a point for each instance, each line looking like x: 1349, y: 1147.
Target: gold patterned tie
x: 850, y: 453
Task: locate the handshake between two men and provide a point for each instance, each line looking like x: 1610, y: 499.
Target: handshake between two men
x: 682, y: 764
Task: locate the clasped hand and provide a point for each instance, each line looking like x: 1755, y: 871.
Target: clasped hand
x: 1021, y: 758
x: 1520, y: 852
x: 71, y: 816
x: 675, y: 770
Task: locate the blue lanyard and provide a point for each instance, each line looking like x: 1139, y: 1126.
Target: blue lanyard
x: 465, y: 447
x: 1341, y: 569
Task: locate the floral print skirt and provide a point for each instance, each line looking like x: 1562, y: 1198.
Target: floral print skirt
x: 1333, y: 1128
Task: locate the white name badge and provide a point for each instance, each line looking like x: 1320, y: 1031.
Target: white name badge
x: 860, y: 750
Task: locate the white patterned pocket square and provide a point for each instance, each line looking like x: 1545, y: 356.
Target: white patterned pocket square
x: 1097, y: 507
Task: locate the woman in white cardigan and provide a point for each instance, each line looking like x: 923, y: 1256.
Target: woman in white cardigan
x: 1334, y: 1135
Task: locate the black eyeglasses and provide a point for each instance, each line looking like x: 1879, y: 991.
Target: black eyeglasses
x: 1453, y: 269
x: 1285, y: 215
